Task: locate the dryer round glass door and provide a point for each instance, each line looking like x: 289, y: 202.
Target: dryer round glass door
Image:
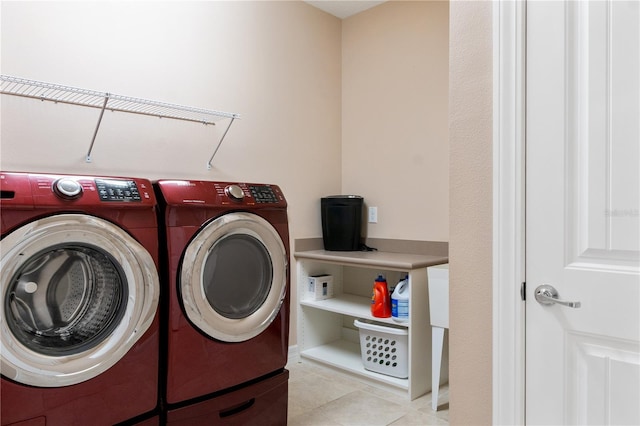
x: 77, y: 292
x: 234, y: 277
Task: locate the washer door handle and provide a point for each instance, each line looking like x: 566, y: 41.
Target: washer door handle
x: 548, y: 295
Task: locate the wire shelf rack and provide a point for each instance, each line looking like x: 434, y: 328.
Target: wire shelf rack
x: 56, y: 93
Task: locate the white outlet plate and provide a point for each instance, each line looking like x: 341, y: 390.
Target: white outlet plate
x: 373, y: 215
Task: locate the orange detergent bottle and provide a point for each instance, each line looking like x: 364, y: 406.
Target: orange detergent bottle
x: 380, y: 300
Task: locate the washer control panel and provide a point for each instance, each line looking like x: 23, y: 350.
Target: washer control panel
x: 117, y: 190
x: 76, y: 192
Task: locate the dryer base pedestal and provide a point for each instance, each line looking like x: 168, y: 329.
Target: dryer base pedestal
x: 263, y: 403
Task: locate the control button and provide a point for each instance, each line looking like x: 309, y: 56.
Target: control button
x: 67, y: 188
x: 263, y: 194
x: 234, y: 192
x: 117, y: 190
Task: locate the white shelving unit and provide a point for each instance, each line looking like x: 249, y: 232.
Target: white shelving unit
x: 326, y: 333
x: 57, y: 93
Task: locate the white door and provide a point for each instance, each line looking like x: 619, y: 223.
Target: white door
x: 583, y: 212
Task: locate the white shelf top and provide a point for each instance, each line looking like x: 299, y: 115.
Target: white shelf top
x: 90, y: 98
x: 374, y: 259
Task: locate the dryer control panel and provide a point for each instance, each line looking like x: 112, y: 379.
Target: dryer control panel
x: 248, y: 193
x: 221, y: 194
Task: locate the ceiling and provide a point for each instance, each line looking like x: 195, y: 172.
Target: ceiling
x: 343, y: 9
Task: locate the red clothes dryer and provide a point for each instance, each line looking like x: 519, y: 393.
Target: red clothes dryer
x: 227, y: 311
x: 79, y: 314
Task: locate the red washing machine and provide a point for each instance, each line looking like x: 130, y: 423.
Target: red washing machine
x: 80, y: 291
x: 227, y: 312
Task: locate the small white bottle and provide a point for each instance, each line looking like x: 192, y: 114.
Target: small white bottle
x: 400, y: 301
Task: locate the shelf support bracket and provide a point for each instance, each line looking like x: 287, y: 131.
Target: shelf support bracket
x: 220, y: 143
x: 95, y: 132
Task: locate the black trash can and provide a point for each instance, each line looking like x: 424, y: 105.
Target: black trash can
x: 341, y: 222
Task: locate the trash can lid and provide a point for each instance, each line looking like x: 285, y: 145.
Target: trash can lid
x: 343, y: 196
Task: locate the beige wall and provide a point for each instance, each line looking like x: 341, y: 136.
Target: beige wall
x: 357, y: 106
x: 395, y: 63
x: 279, y: 65
x: 470, y: 126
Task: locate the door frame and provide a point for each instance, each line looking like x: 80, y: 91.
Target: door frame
x: 509, y: 89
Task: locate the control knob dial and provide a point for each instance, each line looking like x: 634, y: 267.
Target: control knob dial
x: 67, y: 189
x: 234, y: 192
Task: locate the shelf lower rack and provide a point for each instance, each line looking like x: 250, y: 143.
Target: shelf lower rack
x: 345, y: 356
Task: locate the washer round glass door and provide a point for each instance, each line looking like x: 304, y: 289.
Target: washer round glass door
x: 234, y: 277
x: 77, y: 293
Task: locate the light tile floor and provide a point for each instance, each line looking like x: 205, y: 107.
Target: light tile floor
x: 324, y: 397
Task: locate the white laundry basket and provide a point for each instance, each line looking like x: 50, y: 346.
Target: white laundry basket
x: 384, y: 348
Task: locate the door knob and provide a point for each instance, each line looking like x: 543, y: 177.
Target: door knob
x: 547, y: 295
